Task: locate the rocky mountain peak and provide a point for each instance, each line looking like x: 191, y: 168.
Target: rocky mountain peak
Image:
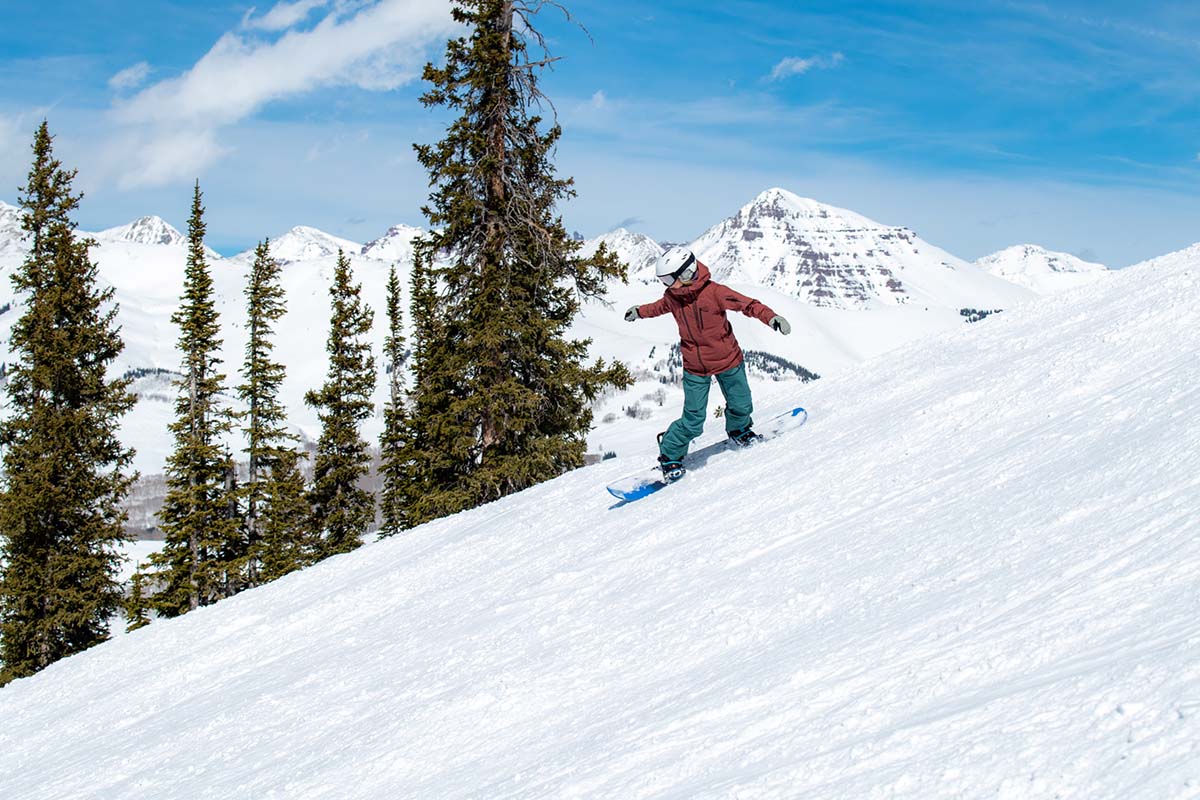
x: 827, y: 256
x: 143, y: 230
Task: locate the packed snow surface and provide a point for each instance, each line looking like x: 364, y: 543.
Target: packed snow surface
x: 971, y: 574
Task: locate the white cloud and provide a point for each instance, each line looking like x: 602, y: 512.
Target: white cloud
x: 599, y: 99
x: 798, y: 66
x: 378, y: 45
x: 283, y: 15
x: 130, y: 77
x: 8, y: 133
x: 16, y: 136
x: 164, y: 156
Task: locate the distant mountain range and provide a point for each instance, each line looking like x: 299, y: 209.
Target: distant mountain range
x: 853, y: 289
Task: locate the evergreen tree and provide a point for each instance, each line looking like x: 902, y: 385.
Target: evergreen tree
x: 65, y: 471
x: 512, y: 392
x: 136, y: 608
x: 342, y: 510
x: 284, y: 544
x: 391, y: 441
x: 274, y: 520
x: 428, y: 464
x: 203, y: 550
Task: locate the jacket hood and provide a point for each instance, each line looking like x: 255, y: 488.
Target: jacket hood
x: 686, y: 294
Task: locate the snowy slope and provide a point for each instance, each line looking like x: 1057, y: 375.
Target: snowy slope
x: 973, y: 574
x: 1044, y: 271
x: 834, y: 258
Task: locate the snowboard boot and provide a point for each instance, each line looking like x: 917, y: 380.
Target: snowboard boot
x: 744, y: 438
x: 672, y: 470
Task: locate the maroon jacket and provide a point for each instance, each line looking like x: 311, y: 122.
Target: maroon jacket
x: 706, y: 337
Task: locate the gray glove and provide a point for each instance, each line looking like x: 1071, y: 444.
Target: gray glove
x: 632, y: 315
x: 780, y: 324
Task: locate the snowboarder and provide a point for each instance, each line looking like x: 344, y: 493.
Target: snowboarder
x: 709, y: 349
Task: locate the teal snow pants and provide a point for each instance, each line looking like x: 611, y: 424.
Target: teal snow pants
x: 738, y: 407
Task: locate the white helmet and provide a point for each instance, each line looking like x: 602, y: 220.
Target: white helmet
x: 678, y: 262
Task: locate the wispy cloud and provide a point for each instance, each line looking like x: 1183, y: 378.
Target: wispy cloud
x: 16, y: 135
x: 375, y: 46
x: 130, y: 77
x: 8, y: 134
x: 283, y: 15
x: 793, y: 65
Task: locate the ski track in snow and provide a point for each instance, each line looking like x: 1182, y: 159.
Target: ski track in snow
x: 971, y: 574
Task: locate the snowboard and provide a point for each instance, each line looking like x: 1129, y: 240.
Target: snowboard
x: 646, y: 482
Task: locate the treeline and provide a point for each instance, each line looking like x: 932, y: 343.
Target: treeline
x: 769, y: 365
x: 490, y: 396
x: 973, y: 315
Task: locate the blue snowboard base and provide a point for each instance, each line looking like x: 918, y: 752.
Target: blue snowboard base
x: 647, y: 482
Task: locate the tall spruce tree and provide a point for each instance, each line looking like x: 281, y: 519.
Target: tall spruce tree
x: 274, y: 520
x: 503, y: 399
x: 204, y: 549
x: 395, y: 422
x: 65, y: 471
x: 341, y: 509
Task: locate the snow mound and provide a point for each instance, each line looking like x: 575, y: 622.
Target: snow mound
x: 972, y: 574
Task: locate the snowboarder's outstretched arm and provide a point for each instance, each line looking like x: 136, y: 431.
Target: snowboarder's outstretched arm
x: 655, y: 309
x: 736, y: 301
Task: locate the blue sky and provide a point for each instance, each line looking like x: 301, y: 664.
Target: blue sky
x: 979, y: 125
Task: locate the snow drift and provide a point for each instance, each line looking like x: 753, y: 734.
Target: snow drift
x: 973, y: 573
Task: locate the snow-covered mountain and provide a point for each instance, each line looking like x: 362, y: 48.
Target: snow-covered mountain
x: 1044, y: 271
x: 303, y: 243
x: 144, y: 230
x: 396, y: 245
x: 972, y: 574
x: 833, y: 258
x: 11, y: 245
x: 639, y: 252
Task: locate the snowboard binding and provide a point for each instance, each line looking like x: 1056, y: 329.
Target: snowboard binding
x: 672, y: 470
x: 744, y: 438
